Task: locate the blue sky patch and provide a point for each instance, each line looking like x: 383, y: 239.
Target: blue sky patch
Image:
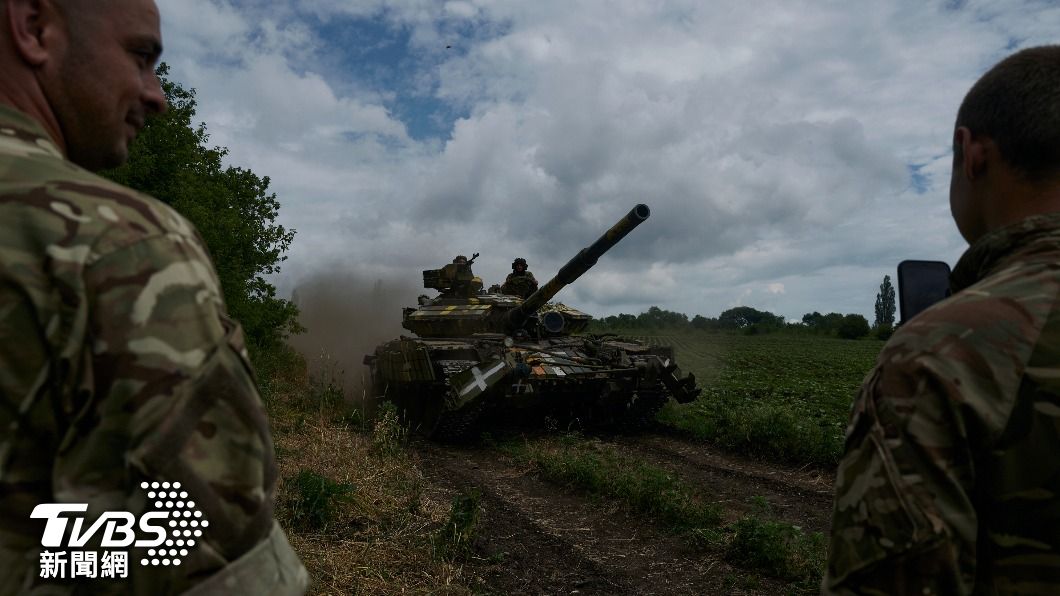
x: 920, y: 182
x: 379, y: 57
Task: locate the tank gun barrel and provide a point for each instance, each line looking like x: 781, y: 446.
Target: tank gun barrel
x: 575, y: 267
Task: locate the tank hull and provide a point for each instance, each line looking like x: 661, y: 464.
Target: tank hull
x: 444, y: 387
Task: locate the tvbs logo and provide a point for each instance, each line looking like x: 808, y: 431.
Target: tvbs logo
x: 174, y: 525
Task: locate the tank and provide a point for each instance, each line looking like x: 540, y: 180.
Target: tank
x: 487, y: 355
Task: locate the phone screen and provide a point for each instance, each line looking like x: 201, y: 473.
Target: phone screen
x: 921, y: 284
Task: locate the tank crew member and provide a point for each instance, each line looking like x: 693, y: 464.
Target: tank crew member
x: 520, y: 282
x: 476, y: 281
x: 120, y: 366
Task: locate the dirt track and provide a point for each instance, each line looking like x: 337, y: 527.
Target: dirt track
x: 535, y: 537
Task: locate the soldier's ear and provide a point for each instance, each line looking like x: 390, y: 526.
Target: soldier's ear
x: 973, y: 151
x: 36, y: 29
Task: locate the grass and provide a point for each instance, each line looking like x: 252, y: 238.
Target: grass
x: 455, y: 539
x: 756, y: 541
x: 600, y: 471
x: 356, y: 508
x: 313, y: 499
x: 778, y: 548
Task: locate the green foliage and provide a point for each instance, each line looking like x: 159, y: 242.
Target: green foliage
x: 388, y: 434
x: 885, y: 304
x: 456, y: 538
x: 314, y: 498
x: 786, y: 397
x: 230, y: 206
x: 742, y: 317
x: 657, y: 319
x: 884, y: 332
x: 779, y: 549
x: 755, y: 541
x: 280, y: 371
x: 645, y: 488
x: 853, y: 327
x: 825, y: 324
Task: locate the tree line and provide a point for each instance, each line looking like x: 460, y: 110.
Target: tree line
x: 749, y: 320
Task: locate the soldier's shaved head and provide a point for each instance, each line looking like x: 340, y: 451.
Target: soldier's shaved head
x: 1006, y: 144
x: 85, y: 70
x: 1017, y: 104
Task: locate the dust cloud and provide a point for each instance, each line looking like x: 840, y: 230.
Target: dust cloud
x: 346, y: 315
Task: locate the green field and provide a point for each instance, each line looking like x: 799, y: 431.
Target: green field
x: 782, y: 396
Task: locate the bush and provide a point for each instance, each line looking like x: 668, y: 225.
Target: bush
x: 457, y: 536
x: 314, y: 498
x: 230, y: 206
x: 853, y: 327
x: 884, y: 332
x: 388, y: 434
x: 778, y: 548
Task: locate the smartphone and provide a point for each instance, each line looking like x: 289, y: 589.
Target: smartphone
x: 921, y: 284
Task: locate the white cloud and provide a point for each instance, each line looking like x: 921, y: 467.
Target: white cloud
x: 770, y: 139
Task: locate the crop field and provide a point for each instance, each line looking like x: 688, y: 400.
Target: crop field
x: 784, y: 397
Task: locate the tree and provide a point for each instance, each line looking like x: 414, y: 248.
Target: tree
x: 657, y: 318
x: 230, y: 206
x: 703, y: 323
x: 885, y: 304
x: 853, y: 327
x: 745, y: 316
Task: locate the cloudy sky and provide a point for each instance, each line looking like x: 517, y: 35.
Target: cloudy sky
x: 792, y: 151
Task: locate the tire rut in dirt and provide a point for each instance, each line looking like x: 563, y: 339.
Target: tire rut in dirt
x: 520, y: 555
x: 800, y: 497
x: 549, y: 541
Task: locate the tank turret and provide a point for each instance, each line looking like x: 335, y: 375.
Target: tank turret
x: 460, y: 310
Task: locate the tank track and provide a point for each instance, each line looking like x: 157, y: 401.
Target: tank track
x: 641, y: 412
x: 459, y: 426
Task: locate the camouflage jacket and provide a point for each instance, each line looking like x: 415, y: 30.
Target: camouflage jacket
x: 519, y: 285
x: 950, y: 483
x: 118, y: 366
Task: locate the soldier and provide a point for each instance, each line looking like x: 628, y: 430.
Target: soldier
x: 950, y: 483
x: 519, y: 282
x: 476, y: 282
x: 118, y: 364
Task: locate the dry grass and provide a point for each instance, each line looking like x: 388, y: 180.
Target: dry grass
x: 379, y: 539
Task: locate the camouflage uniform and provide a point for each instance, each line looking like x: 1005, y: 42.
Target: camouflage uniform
x: 517, y: 284
x: 951, y: 479
x: 119, y: 365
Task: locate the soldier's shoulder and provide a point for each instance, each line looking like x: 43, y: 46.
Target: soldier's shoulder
x: 984, y: 336
x: 52, y: 192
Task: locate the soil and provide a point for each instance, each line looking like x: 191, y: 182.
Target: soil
x: 536, y: 537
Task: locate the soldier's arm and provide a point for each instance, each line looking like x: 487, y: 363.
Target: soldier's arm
x: 177, y: 402
x: 904, y: 522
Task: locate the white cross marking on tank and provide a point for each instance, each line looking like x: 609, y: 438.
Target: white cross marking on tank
x: 480, y: 379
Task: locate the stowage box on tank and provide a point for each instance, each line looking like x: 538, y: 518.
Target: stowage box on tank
x: 479, y: 351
